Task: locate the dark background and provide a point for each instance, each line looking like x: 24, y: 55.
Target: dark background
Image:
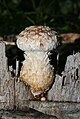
x: 15, y: 15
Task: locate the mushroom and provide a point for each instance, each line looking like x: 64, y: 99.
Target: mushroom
x: 69, y: 37
x: 37, y: 42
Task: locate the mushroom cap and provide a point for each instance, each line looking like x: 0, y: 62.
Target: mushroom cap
x: 33, y: 38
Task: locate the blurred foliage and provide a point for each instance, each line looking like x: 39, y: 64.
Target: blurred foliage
x: 15, y: 15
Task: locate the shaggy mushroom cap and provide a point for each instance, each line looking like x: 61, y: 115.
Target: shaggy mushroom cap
x: 37, y: 38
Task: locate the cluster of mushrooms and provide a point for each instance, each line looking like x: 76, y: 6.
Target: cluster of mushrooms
x: 36, y: 71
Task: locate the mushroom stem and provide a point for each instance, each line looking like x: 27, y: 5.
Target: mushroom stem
x: 37, y: 71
